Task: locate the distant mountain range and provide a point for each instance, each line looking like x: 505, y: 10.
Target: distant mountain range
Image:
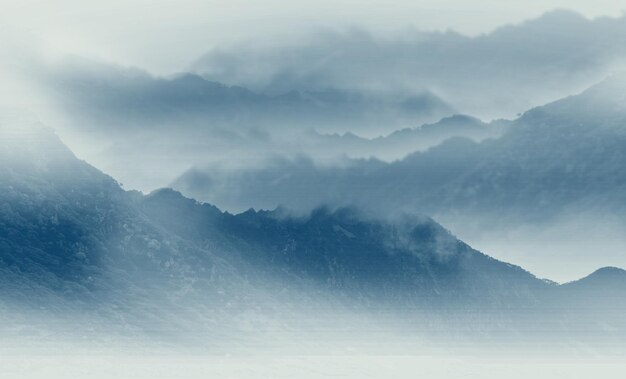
x: 120, y: 115
x: 554, y: 171
x: 124, y: 100
x: 556, y: 158
x: 330, y: 94
x: 72, y: 242
x: 398, y: 144
x: 497, y: 74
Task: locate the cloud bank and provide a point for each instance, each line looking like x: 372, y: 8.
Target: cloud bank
x: 497, y: 74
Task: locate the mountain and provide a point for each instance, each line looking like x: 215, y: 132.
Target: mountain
x: 67, y: 224
x: 80, y: 255
x: 521, y: 174
x: 409, y: 261
x: 230, y: 112
x: 556, y: 170
x: 123, y: 119
x: 497, y: 74
x: 581, y: 301
x: 600, y: 286
x: 75, y: 254
x: 108, y: 98
x: 403, y: 142
x: 140, y: 163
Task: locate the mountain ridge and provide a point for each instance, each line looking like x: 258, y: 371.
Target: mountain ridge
x: 169, y: 263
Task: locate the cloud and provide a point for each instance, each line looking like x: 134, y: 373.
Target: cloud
x: 557, y: 168
x: 129, y: 98
x: 497, y: 74
x: 520, y: 170
x: 125, y: 120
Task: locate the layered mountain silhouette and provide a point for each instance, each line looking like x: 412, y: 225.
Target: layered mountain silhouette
x: 247, y: 102
x: 64, y: 221
x: 495, y: 74
x: 123, y: 115
x: 74, y: 245
x: 565, y: 156
x: 400, y: 143
x: 548, y: 189
x: 128, y: 100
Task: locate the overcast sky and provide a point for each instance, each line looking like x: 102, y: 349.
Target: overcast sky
x: 164, y: 36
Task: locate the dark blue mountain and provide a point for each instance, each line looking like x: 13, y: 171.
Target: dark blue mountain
x: 72, y: 240
x: 406, y: 261
x: 70, y: 229
x: 77, y: 250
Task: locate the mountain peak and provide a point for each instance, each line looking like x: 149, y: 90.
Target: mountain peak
x: 613, y: 85
x: 603, y: 278
x: 553, y: 21
x: 602, y: 103
x: 29, y: 144
x: 165, y: 193
x: 609, y: 272
x: 171, y: 201
x: 561, y: 15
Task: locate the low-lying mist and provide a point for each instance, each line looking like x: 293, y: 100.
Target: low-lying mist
x: 493, y: 75
x: 328, y: 207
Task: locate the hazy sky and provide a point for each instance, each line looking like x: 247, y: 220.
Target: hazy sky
x: 165, y: 35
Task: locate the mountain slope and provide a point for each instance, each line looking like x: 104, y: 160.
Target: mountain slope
x: 80, y: 255
x: 553, y: 159
x: 74, y: 248
x: 550, y: 188
x: 403, y: 142
x: 123, y: 119
x: 408, y: 261
x: 67, y: 227
x: 109, y: 99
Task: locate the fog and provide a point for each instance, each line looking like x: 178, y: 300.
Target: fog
x: 165, y: 36
x: 308, y: 190
x: 497, y: 74
x: 561, y: 250
x: 352, y: 366
x: 351, y: 347
x: 146, y: 129
x: 122, y: 117
x: 515, y: 188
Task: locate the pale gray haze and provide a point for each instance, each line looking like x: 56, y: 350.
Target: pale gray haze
x: 312, y: 189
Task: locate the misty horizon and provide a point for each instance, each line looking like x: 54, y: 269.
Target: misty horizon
x: 265, y: 189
